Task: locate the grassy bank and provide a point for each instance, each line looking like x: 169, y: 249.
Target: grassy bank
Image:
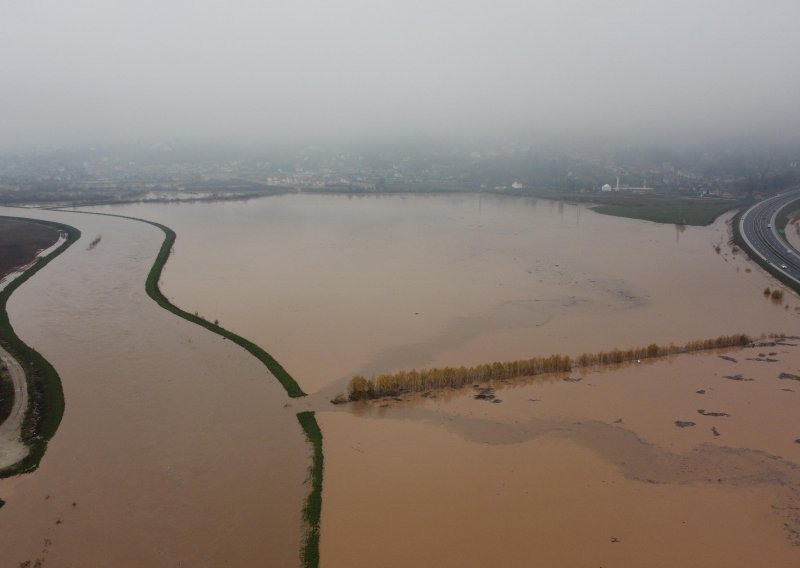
x: 659, y: 208
x: 312, y: 509
x: 673, y: 210
x: 287, y: 381
x: 403, y: 382
x: 45, y: 394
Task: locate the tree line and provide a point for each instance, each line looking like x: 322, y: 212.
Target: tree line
x: 393, y: 384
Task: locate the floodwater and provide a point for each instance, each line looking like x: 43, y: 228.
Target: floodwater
x: 592, y: 472
x: 337, y: 285
x: 560, y: 473
x: 175, y: 448
x: 188, y: 456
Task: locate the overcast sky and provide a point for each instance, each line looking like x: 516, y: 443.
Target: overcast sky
x: 80, y: 71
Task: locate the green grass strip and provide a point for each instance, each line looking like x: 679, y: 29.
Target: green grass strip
x: 672, y: 211
x: 312, y: 509
x: 45, y: 394
x: 151, y: 285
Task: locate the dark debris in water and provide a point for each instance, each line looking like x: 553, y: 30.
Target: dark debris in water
x: 486, y: 393
x: 709, y: 413
x: 728, y: 358
x: 684, y: 423
x: 789, y: 376
x: 737, y: 377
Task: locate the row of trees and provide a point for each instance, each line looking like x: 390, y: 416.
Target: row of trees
x: 616, y: 356
x: 393, y: 384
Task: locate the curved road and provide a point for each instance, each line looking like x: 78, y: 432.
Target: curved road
x: 757, y: 227
x: 11, y: 449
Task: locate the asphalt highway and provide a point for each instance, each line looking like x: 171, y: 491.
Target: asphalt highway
x: 757, y: 227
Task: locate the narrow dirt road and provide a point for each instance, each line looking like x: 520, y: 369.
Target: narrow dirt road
x: 11, y: 449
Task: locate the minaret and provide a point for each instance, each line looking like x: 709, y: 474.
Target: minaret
x: 617, y: 183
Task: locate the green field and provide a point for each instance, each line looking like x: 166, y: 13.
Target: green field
x: 674, y: 210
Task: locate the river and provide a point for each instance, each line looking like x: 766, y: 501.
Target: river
x: 175, y: 447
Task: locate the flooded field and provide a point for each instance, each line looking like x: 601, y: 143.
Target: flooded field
x: 336, y: 285
x: 175, y: 447
x: 689, y: 461
x: 189, y: 454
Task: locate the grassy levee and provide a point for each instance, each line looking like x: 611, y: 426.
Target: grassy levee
x: 738, y: 239
x: 151, y: 285
x: 45, y: 394
x: 312, y: 509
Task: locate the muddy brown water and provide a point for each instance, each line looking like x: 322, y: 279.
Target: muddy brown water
x: 337, y: 285
x: 560, y: 473
x: 574, y: 473
x: 188, y: 454
x: 175, y: 447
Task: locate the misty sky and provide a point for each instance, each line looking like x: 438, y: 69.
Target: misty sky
x: 83, y: 71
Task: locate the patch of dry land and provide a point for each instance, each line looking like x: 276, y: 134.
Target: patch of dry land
x: 20, y: 241
x: 687, y: 461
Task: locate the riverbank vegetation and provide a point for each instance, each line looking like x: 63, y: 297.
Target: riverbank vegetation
x: 393, y: 384
x: 151, y: 285
x: 312, y: 509
x: 45, y: 395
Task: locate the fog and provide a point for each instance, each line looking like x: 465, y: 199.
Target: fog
x: 258, y: 71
